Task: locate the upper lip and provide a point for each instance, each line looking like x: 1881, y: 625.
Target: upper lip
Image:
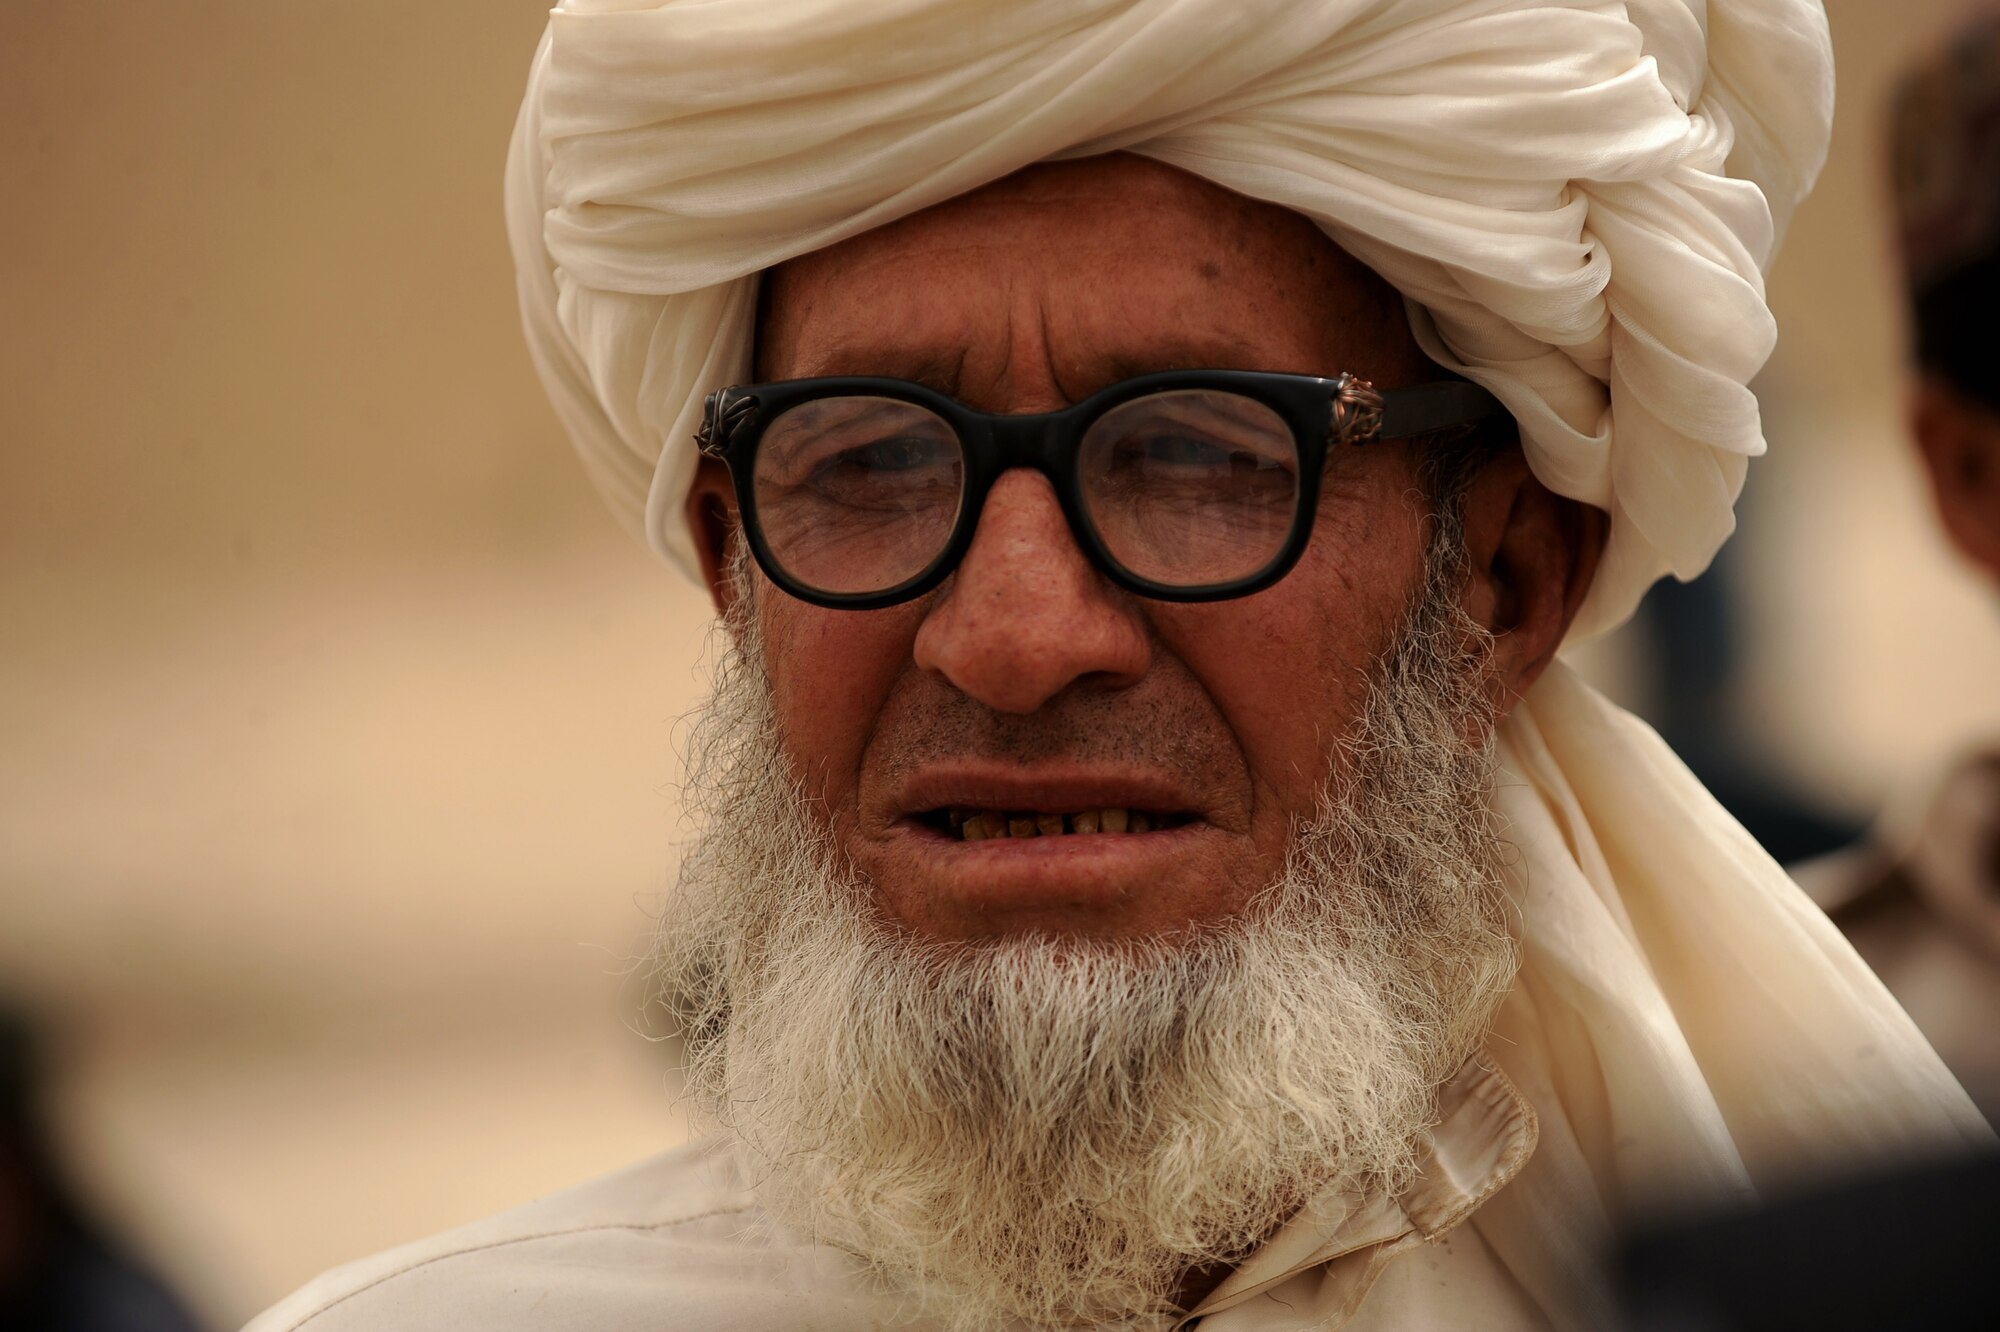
x: 1053, y: 789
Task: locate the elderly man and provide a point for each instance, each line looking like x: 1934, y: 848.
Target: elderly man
x: 1147, y: 454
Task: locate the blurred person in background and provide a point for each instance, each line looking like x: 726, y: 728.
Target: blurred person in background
x: 1921, y: 899
x: 1145, y: 457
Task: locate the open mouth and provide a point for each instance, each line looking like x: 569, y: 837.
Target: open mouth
x: 979, y: 825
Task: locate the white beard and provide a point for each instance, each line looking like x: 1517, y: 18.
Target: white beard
x: 1054, y: 1129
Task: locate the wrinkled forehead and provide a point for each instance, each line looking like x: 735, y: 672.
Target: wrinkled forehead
x: 1102, y: 267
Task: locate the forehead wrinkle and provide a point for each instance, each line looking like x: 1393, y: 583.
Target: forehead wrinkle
x: 1081, y: 319
x: 1080, y: 362
x: 937, y: 367
x: 1180, y: 351
x: 1077, y: 365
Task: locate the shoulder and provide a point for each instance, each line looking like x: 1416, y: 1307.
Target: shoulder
x: 675, y: 1240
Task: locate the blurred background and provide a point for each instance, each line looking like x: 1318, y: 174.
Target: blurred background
x: 337, y: 718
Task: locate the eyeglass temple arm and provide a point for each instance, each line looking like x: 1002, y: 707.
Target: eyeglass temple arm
x: 1361, y: 412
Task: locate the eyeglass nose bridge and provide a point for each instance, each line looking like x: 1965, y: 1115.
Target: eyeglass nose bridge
x: 1045, y: 442
x: 1051, y: 443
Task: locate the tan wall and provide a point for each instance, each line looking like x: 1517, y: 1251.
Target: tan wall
x: 335, y: 715
x: 336, y: 718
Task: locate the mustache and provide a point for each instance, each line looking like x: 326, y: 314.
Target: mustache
x: 1161, y: 728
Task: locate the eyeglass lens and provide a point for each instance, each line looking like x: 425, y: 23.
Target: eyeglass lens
x: 1192, y: 487
x: 1187, y: 488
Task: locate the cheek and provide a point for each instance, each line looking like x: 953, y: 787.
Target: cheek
x: 1289, y: 668
x: 831, y: 672
x: 1284, y: 695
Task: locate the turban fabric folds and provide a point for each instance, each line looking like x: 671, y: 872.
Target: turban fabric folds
x: 1578, y: 199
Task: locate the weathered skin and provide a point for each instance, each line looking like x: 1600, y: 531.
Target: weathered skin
x: 1027, y: 682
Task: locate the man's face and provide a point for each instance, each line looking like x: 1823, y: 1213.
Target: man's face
x: 1027, y: 684
x: 1132, y: 1072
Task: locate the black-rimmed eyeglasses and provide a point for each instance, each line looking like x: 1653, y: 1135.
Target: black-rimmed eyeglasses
x: 1196, y: 485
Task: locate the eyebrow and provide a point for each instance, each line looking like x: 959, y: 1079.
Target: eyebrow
x: 938, y: 369
x: 1186, y: 352
x: 1213, y: 352
x: 943, y: 369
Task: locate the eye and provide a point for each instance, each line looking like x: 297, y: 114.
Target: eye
x: 1165, y: 454
x: 1176, y: 450
x: 891, y: 473
x: 901, y: 454
x: 897, y: 462
x: 842, y: 441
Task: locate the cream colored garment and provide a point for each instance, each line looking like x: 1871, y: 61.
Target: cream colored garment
x: 1687, y: 1023
x: 681, y: 1241
x: 1578, y: 199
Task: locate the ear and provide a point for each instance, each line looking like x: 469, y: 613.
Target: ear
x: 1959, y: 440
x: 712, y: 519
x: 1531, y: 555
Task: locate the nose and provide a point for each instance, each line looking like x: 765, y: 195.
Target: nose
x: 1025, y: 615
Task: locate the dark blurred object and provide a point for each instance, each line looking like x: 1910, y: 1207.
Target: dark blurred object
x: 1692, y: 640
x: 1908, y: 1252
x: 1945, y: 162
x: 58, y: 1272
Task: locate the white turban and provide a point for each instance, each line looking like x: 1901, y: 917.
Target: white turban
x: 1578, y: 199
